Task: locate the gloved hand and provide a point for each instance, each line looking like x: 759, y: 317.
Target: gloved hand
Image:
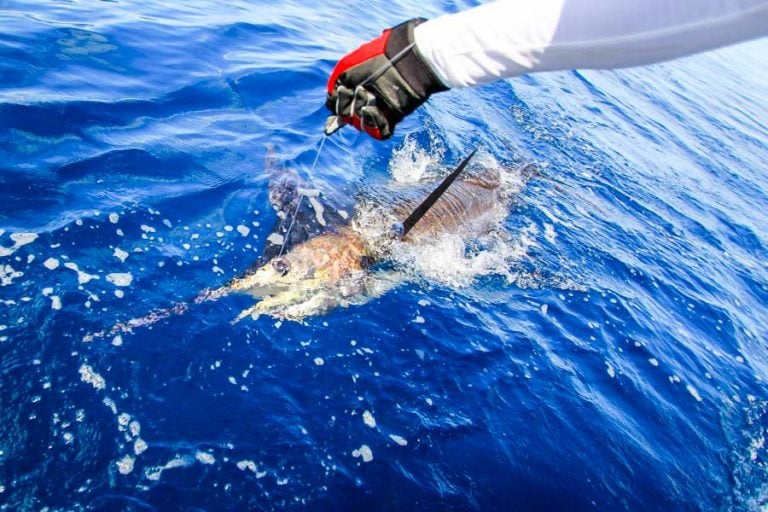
x: 380, y: 83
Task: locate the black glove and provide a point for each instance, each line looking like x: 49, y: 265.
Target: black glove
x: 380, y: 83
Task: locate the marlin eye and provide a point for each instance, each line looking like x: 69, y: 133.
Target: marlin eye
x: 281, y: 266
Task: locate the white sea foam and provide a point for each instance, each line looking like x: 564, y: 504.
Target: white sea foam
x: 368, y: 419
x: 120, y: 278
x: 82, y: 277
x: 125, y: 465
x: 8, y: 274
x: 19, y: 240
x: 110, y: 404
x: 318, y: 208
x: 398, y: 439
x: 87, y: 374
x: 205, y: 458
x: 123, y: 419
x: 178, y: 462
x: 549, y: 233
x: 139, y: 446
x: 365, y: 452
x: 694, y: 393
x: 155, y: 472
x: 249, y: 465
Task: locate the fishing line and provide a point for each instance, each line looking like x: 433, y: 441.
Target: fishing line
x: 376, y: 74
x: 301, y: 198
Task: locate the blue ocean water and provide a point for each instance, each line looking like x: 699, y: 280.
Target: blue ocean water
x: 617, y: 361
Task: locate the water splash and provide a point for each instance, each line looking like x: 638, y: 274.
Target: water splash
x: 411, y: 163
x: 457, y: 262
x: 456, y: 258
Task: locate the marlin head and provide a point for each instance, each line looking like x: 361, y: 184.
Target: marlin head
x: 314, y: 276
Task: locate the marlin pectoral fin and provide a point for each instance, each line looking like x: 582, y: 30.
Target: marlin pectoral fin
x: 381, y: 282
x: 317, y: 304
x: 276, y: 305
x: 267, y: 306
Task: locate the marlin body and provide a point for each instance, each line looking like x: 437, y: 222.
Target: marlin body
x: 317, y: 259
x: 338, y: 267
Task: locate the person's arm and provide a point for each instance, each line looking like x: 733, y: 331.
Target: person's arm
x: 508, y: 38
x: 513, y: 37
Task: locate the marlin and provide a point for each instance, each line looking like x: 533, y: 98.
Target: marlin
x: 338, y: 268
x: 331, y: 261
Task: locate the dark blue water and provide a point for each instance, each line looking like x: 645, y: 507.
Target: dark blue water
x: 614, y: 358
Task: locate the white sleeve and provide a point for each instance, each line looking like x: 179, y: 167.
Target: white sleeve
x: 512, y: 37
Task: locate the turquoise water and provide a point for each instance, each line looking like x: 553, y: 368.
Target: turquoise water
x: 605, y: 350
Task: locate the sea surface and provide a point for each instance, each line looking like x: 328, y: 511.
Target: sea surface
x: 605, y: 350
